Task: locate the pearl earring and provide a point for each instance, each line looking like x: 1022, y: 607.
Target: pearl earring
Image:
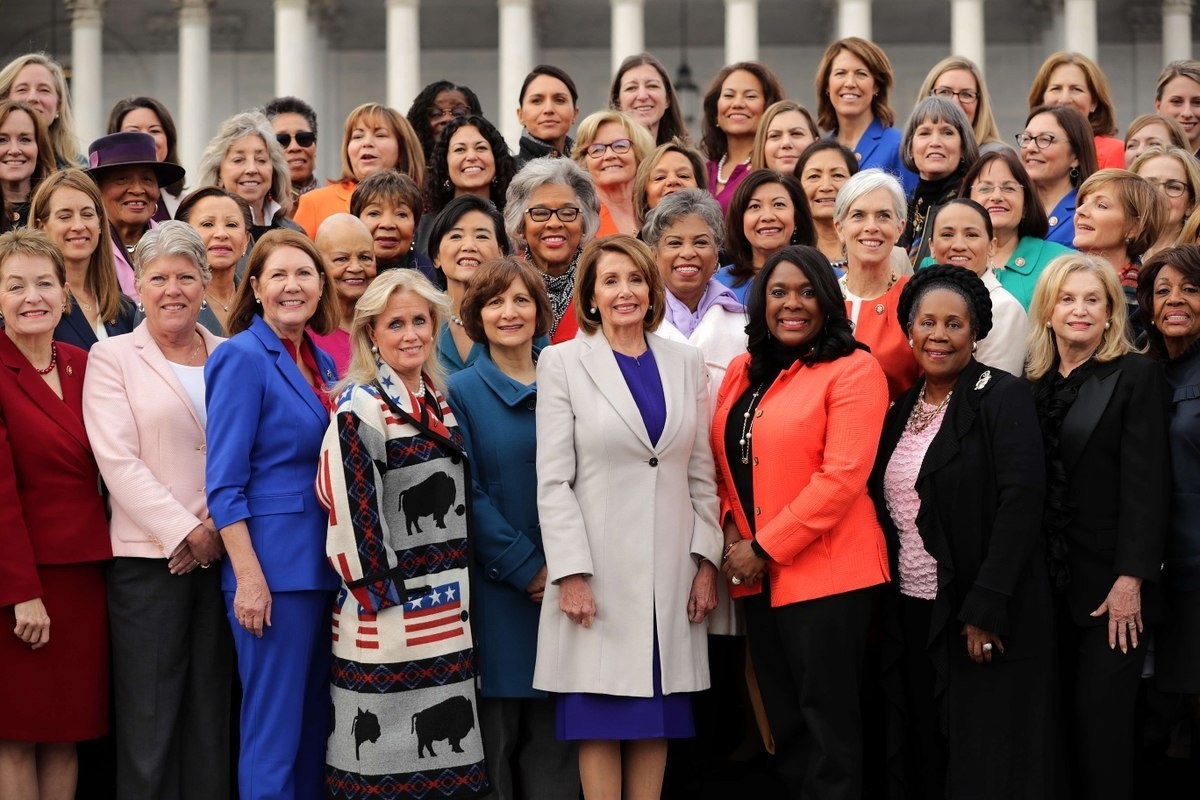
x: 910, y: 344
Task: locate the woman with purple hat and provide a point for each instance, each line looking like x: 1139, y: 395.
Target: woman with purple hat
x: 125, y: 167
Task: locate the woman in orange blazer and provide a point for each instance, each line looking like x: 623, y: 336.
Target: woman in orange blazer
x: 794, y: 436
x: 53, y: 535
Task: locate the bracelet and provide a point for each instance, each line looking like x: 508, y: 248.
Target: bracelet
x: 728, y: 548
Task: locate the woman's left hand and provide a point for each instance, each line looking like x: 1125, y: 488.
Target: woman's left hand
x: 703, y: 597
x: 981, y: 644
x: 1124, y: 608
x: 742, y: 564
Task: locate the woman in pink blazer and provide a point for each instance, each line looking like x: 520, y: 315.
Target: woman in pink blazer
x: 172, y: 649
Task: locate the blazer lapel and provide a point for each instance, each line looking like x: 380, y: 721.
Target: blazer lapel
x: 150, y: 353
x: 868, y: 141
x: 1086, y: 411
x: 601, y: 366
x: 674, y: 378
x: 288, y: 369
x: 70, y: 376
x: 77, y: 322
x: 960, y: 416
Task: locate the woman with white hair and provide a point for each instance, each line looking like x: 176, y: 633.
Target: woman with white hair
x: 869, y: 217
x: 245, y: 158
x: 171, y: 710
x: 552, y: 211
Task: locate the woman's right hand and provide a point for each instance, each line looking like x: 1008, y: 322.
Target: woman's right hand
x: 33, y: 623
x: 252, y: 603
x: 576, y: 601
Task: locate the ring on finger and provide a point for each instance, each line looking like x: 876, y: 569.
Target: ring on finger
x: 987, y: 647
x: 736, y: 580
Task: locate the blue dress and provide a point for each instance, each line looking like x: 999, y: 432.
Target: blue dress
x: 603, y: 716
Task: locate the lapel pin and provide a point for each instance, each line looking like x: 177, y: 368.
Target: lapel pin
x: 983, y: 379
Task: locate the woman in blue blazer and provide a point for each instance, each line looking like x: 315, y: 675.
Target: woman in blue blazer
x: 505, y: 305
x: 267, y: 413
x: 853, y: 81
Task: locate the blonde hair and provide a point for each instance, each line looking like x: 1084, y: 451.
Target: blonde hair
x: 1141, y: 202
x: 1190, y: 166
x: 1043, y: 349
x: 373, y: 302
x: 643, y: 144
x: 985, y: 127
x: 758, y: 158
x: 62, y: 129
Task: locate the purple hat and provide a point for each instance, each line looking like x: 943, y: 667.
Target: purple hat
x: 129, y: 148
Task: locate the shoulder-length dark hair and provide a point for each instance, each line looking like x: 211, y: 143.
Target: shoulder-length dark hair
x: 1186, y: 259
x: 671, y: 126
x: 418, y: 112
x: 455, y: 210
x: 116, y: 118
x: 439, y: 190
x: 1079, y: 136
x: 1033, y: 216
x: 713, y: 141
x: 737, y: 246
x: 834, y: 340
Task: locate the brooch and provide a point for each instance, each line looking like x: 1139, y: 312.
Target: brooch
x: 983, y: 379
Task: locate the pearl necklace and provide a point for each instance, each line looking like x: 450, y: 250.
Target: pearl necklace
x: 748, y: 423
x: 419, y: 393
x: 721, y: 168
x: 457, y: 320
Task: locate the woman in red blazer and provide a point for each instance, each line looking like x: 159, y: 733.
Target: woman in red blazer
x: 794, y: 436
x: 53, y: 535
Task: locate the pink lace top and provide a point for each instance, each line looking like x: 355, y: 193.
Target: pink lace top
x: 917, y: 569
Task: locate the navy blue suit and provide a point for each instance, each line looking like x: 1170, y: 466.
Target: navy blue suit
x: 265, y: 426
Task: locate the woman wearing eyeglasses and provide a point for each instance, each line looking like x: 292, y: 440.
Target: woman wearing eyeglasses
x: 1176, y: 175
x: 959, y: 79
x: 610, y: 146
x: 1058, y: 153
x: 1000, y: 184
x: 552, y: 211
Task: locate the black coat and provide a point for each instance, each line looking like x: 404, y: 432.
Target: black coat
x: 981, y: 486
x: 1113, y: 448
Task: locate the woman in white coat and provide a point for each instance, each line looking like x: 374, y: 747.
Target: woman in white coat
x: 628, y: 509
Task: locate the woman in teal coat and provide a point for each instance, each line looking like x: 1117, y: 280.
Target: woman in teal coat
x: 505, y: 306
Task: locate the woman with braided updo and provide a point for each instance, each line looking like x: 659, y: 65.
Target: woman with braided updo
x: 958, y: 487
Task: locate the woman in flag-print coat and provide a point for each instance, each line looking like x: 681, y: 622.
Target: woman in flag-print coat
x: 394, y: 477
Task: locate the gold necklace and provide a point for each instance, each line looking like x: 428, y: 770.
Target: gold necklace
x: 920, y: 419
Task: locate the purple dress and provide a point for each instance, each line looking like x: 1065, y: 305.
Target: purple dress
x: 603, y: 716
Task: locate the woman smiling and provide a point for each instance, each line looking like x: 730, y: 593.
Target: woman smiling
x: 610, y: 146
x: 642, y: 89
x: 245, y: 158
x: 26, y: 159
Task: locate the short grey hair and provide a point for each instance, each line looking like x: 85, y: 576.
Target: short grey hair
x: 550, y: 172
x: 247, y: 123
x: 172, y: 238
x: 865, y: 182
x: 939, y: 109
x: 678, y: 205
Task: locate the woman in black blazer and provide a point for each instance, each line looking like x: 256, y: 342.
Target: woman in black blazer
x: 1102, y: 410
x: 958, y: 486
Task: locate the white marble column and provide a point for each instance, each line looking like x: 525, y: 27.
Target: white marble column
x: 403, y: 53
x: 1176, y: 30
x: 293, y: 73
x: 854, y: 18
x: 741, y: 30
x: 87, y: 68
x: 966, y: 30
x: 194, y: 125
x: 516, y: 44
x: 1079, y: 27
x: 628, y: 34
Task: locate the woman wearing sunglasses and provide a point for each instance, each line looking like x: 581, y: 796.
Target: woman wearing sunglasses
x: 610, y: 146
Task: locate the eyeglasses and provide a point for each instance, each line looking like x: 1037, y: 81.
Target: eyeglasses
x: 620, y: 147
x: 986, y: 189
x: 303, y: 138
x: 542, y: 214
x: 1170, y: 188
x: 1042, y: 140
x: 456, y: 111
x: 946, y: 93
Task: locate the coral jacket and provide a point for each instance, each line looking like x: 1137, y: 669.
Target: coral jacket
x: 815, y: 433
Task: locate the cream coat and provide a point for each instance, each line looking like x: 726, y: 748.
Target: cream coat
x: 148, y: 442
x: 629, y: 515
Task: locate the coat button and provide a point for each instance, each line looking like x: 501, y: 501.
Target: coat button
x: 757, y: 511
x: 756, y: 461
x: 531, y: 404
x: 493, y: 573
x: 758, y: 413
x: 654, y: 462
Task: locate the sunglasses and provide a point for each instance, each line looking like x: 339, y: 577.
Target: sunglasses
x: 303, y: 138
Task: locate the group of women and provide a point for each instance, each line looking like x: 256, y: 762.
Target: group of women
x: 495, y: 454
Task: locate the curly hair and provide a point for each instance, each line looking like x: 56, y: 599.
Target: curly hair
x: 439, y: 190
x: 418, y: 112
x: 960, y: 280
x: 836, y: 336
